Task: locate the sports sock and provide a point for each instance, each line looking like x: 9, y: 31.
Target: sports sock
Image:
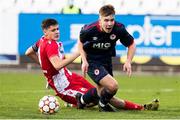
x: 91, y: 96
x: 105, y: 97
x: 132, y: 106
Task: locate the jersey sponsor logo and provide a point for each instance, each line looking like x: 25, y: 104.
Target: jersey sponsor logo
x: 96, y: 71
x: 102, y: 45
x: 94, y: 38
x: 113, y: 37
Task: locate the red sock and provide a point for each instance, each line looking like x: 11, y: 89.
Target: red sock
x: 132, y: 106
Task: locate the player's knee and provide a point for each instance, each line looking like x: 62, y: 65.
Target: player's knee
x: 113, y: 87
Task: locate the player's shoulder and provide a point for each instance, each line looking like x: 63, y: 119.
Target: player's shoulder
x: 90, y: 27
x: 52, y: 44
x: 119, y: 27
x: 119, y: 24
x: 40, y: 41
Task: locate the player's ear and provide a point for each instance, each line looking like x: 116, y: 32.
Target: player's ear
x: 45, y: 31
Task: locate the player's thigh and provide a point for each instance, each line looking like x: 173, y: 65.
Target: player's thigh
x: 68, y: 95
x: 78, y: 80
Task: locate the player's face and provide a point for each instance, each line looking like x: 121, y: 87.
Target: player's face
x: 52, y: 32
x: 107, y: 23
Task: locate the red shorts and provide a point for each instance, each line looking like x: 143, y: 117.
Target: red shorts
x: 77, y: 85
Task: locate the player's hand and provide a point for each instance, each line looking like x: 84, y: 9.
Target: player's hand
x: 84, y: 68
x: 127, y: 68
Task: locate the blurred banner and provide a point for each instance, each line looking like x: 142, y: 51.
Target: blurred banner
x: 9, y: 38
x: 155, y: 36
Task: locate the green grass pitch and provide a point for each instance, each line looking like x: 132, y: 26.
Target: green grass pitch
x: 20, y: 93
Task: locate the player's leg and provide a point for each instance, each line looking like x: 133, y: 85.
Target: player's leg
x: 128, y: 105
x: 107, y: 85
x: 125, y: 104
x: 69, y: 95
x: 86, y: 97
x: 109, y: 88
x: 69, y: 98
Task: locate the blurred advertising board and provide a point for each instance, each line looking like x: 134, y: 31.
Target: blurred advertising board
x: 155, y: 36
x: 9, y: 59
x: 9, y: 38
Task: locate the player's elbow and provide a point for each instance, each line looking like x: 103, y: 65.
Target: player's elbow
x: 27, y: 53
x: 58, y: 67
x: 133, y: 45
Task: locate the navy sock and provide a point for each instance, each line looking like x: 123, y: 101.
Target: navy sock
x: 91, y: 96
x: 105, y: 96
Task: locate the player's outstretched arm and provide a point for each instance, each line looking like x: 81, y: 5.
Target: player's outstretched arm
x: 130, y: 55
x: 59, y: 63
x: 85, y: 64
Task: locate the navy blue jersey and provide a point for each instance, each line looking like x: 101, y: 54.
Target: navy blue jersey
x: 100, y: 46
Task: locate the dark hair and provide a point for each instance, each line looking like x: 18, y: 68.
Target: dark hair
x: 48, y: 22
x: 106, y: 10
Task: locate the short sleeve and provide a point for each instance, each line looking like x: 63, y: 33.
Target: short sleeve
x: 125, y: 38
x: 35, y: 46
x: 83, y: 34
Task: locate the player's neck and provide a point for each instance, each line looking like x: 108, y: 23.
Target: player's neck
x: 47, y: 38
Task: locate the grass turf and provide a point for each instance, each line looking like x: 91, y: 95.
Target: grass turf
x: 20, y: 93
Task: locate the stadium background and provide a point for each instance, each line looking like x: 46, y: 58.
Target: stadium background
x: 155, y: 25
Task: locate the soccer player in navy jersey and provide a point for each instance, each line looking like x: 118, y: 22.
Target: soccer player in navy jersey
x: 97, y: 46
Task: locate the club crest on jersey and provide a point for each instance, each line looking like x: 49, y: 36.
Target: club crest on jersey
x: 96, y: 71
x: 94, y: 38
x: 113, y: 36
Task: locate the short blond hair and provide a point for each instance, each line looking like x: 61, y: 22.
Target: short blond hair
x: 107, y: 10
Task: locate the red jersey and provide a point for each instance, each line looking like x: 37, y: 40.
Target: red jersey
x: 65, y: 83
x: 47, y: 49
